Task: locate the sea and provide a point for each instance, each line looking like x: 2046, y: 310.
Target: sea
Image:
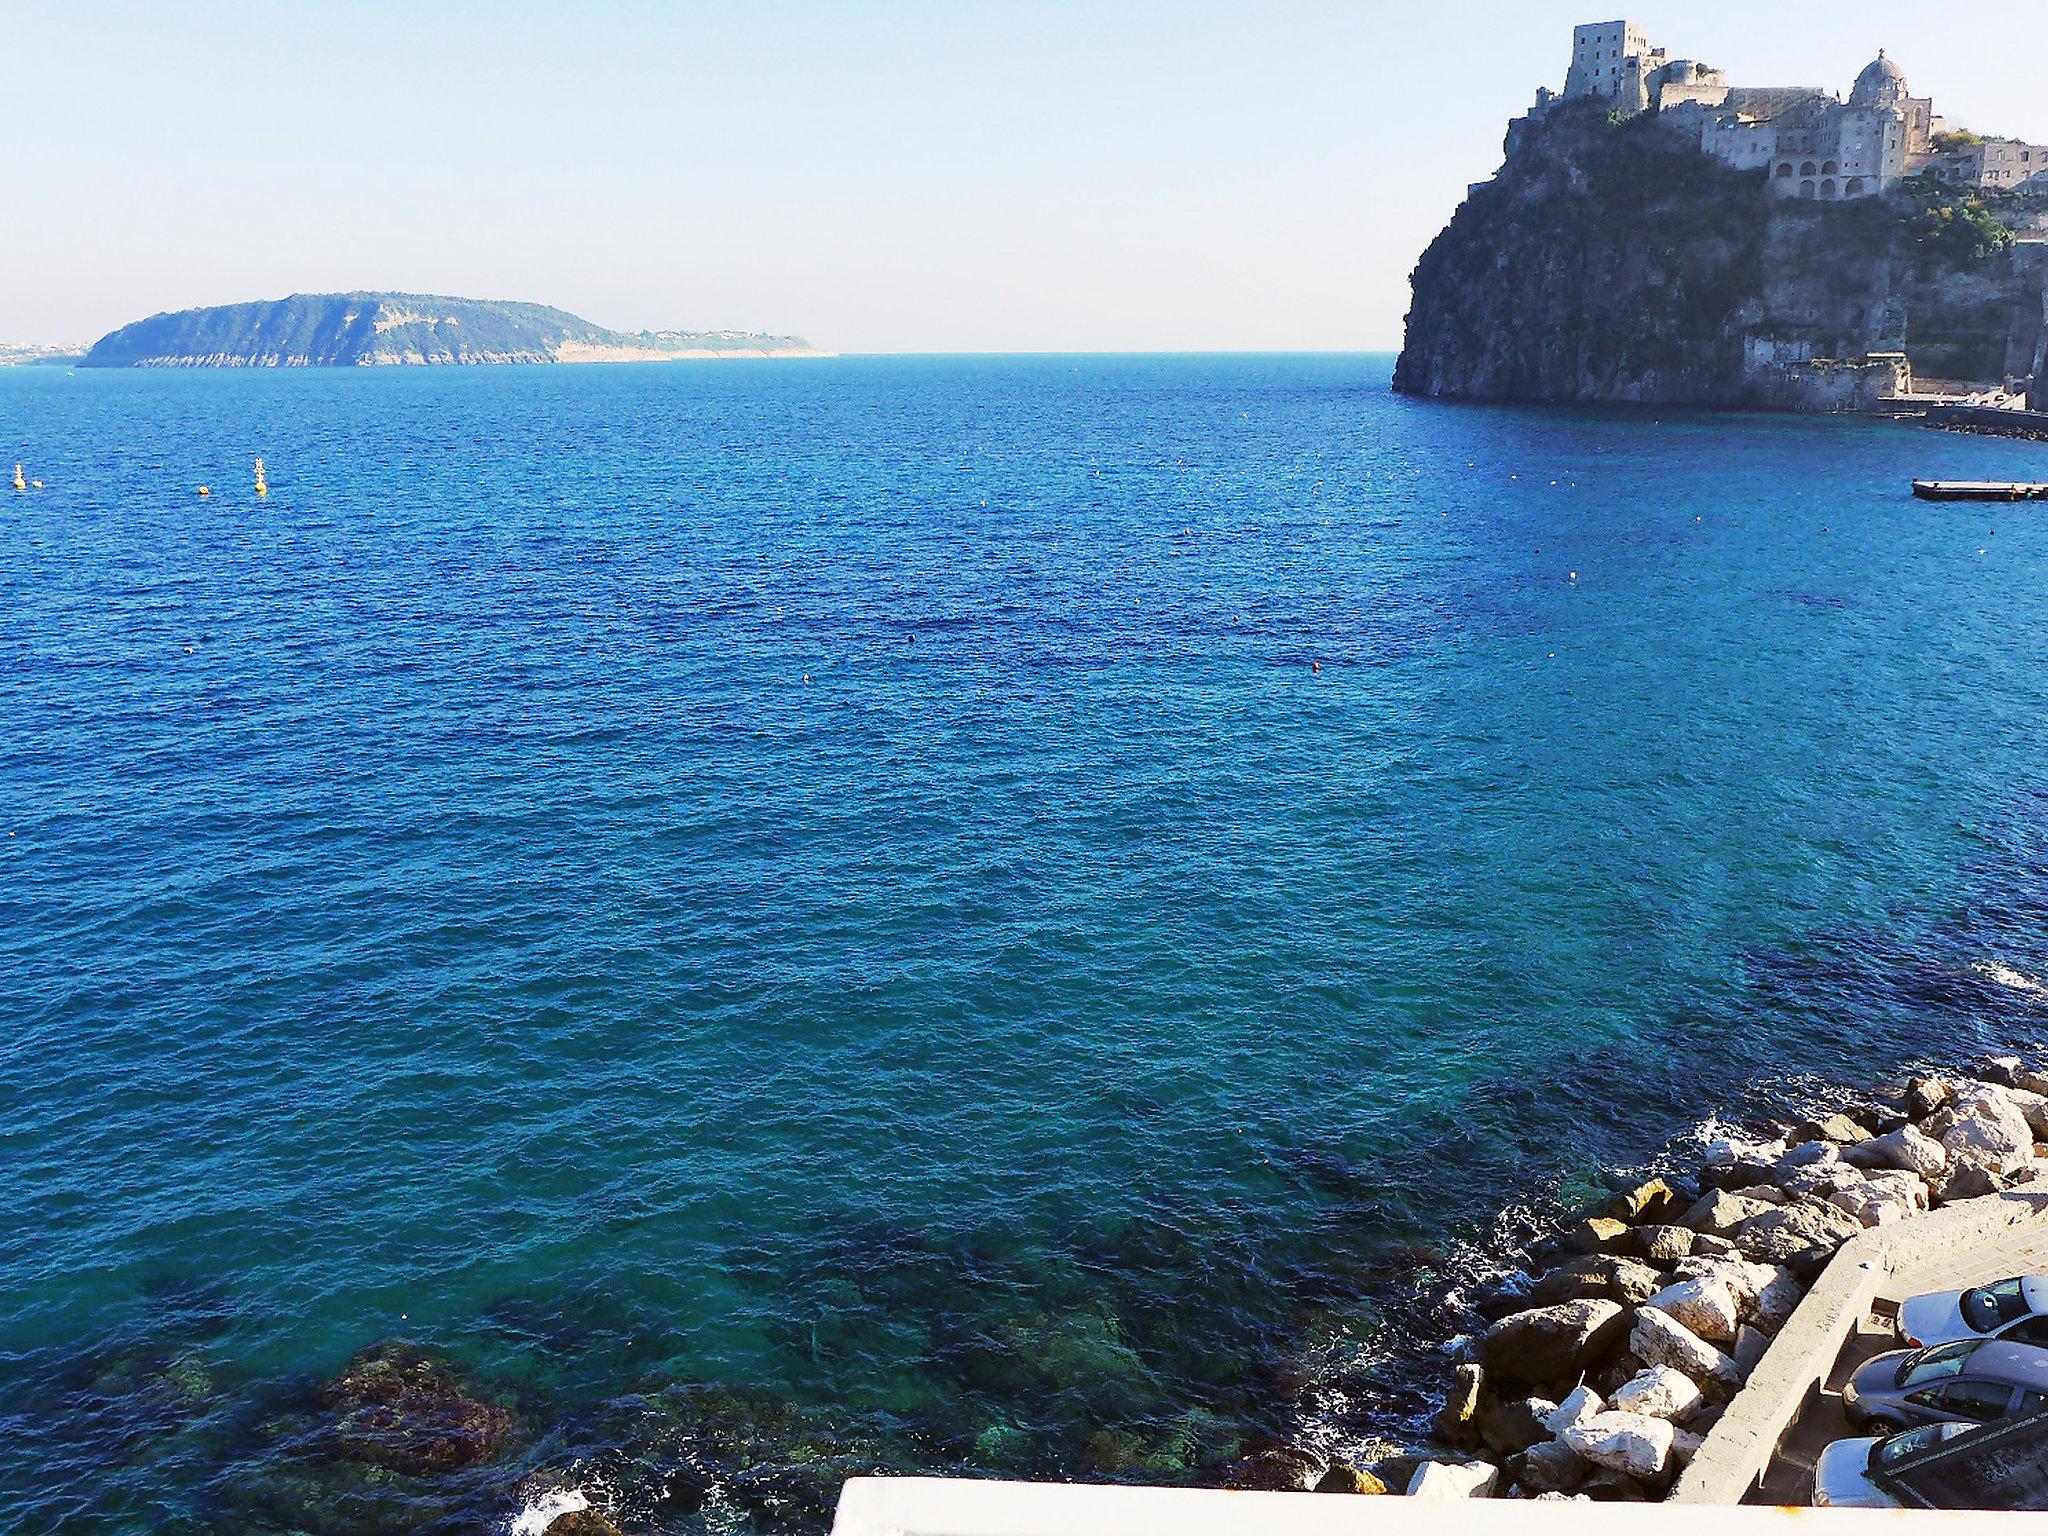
x: 1000, y: 915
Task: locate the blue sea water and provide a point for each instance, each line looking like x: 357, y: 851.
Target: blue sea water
x: 986, y: 914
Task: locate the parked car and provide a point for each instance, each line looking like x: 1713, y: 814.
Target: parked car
x: 1942, y: 1316
x: 1841, y: 1478
x: 1970, y: 1380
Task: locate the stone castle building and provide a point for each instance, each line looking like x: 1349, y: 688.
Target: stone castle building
x: 1808, y: 143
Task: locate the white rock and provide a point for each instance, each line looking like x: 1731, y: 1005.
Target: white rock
x: 1990, y: 1131
x: 1873, y: 1205
x: 1727, y: 1151
x: 2035, y: 1107
x: 1580, y: 1404
x: 1912, y: 1149
x: 1633, y: 1443
x: 1706, y: 1306
x: 1661, y: 1339
x: 1453, y: 1480
x: 1777, y: 1298
x: 1660, y: 1392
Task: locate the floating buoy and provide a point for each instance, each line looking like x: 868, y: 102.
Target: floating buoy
x: 1315, y: 666
x: 35, y: 485
x: 206, y: 490
x: 19, y: 483
x: 262, y: 484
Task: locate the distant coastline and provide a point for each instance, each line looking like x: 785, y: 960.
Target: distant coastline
x: 357, y: 330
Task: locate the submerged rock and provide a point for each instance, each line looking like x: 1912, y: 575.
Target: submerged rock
x: 581, y: 1522
x: 398, y: 1407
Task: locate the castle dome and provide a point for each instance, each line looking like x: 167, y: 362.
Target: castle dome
x: 1882, y: 84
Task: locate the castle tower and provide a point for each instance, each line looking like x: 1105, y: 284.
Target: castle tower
x: 1607, y: 60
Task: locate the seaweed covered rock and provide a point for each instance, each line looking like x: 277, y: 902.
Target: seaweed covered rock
x: 401, y: 1408
x: 581, y: 1522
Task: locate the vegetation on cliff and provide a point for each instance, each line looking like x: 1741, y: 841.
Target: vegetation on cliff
x: 1613, y: 261
x: 358, y: 329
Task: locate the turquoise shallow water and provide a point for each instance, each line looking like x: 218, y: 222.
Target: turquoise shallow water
x: 791, y: 918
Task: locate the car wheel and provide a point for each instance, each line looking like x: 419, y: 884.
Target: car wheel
x: 1880, y: 1426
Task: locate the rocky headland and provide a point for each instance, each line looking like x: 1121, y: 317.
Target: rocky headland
x: 1613, y: 261
x: 356, y: 330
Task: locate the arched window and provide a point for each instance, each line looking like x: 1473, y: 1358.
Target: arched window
x: 1809, y: 169
x: 1806, y: 189
x: 1827, y: 190
x: 1785, y: 170
x: 1854, y: 188
x: 1830, y: 169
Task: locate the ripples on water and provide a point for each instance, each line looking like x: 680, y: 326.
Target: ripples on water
x: 1045, y: 1041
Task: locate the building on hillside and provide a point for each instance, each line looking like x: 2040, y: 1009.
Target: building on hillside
x: 2004, y: 164
x: 1808, y: 143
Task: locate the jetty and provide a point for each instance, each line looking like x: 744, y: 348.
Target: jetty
x: 1981, y: 490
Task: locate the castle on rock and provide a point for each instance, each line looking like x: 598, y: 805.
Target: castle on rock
x: 1809, y: 143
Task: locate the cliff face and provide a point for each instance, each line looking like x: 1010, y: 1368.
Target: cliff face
x: 373, y: 329
x: 1615, y: 262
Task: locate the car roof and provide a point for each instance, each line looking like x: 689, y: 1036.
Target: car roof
x: 2034, y: 1292
x: 2023, y: 1365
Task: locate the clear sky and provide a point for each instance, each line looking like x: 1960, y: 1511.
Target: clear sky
x: 889, y: 175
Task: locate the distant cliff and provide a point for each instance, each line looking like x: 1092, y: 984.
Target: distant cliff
x: 369, y: 329
x: 1612, y: 261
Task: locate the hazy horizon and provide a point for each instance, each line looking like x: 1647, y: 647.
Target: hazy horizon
x: 903, y: 178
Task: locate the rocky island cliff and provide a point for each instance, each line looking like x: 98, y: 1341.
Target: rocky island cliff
x: 1613, y: 260
x: 376, y: 329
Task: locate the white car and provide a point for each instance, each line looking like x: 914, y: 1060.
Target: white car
x: 1841, y: 1478
x: 2014, y: 1309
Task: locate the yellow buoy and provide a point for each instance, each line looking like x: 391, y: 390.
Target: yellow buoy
x: 206, y: 490
x: 262, y: 484
x: 19, y: 483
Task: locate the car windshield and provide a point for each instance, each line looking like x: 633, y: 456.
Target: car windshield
x: 1933, y: 1364
x: 1899, y: 1446
x: 1993, y: 1306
